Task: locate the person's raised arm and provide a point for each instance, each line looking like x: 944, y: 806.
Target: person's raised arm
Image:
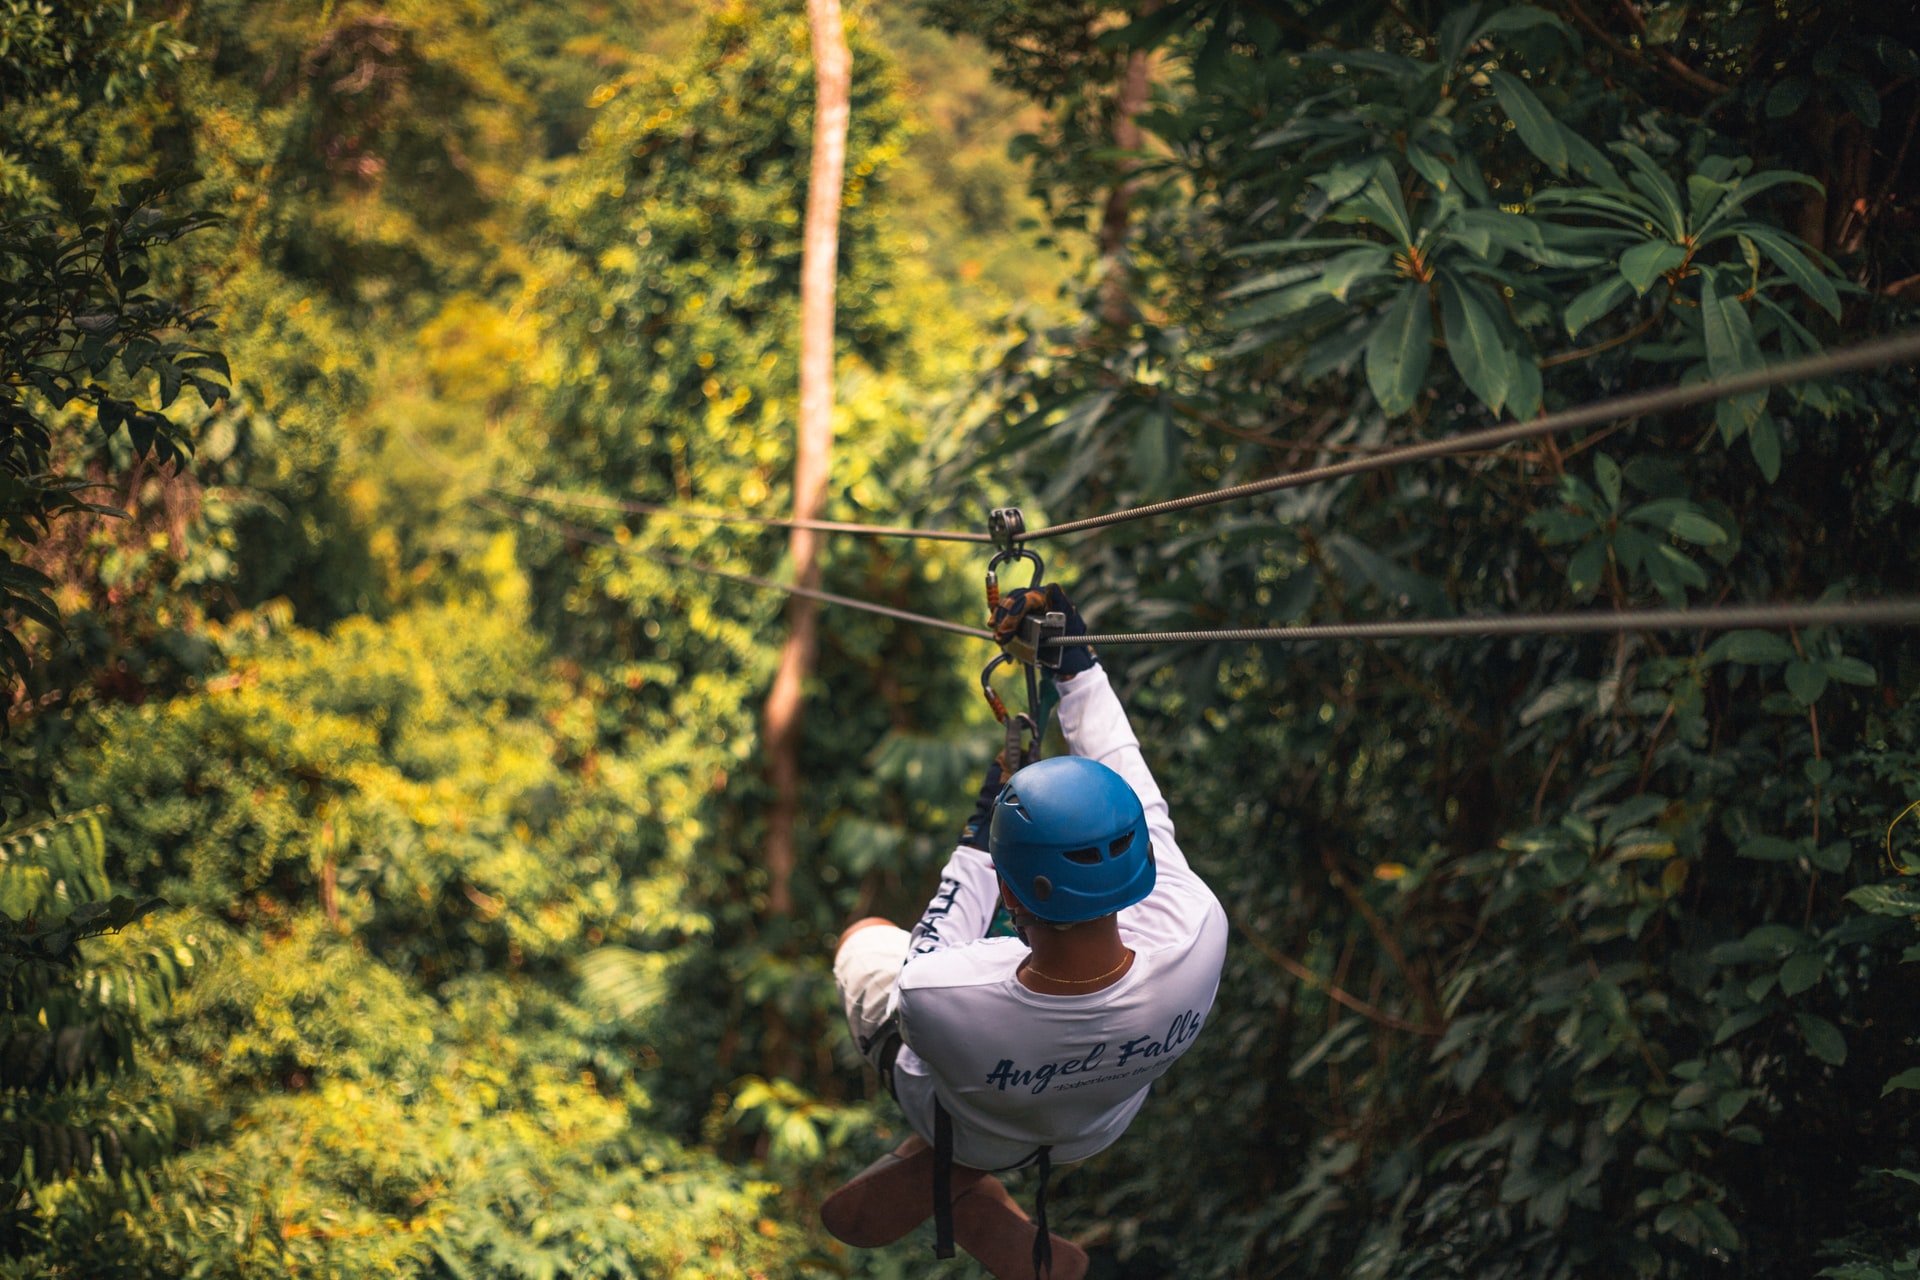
x: 1181, y: 907
x: 961, y: 909
x: 1091, y: 717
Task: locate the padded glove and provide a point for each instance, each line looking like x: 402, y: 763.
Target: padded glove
x: 1016, y: 605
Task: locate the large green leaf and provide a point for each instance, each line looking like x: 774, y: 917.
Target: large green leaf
x: 1474, y: 341
x: 1751, y: 647
x: 1596, y: 301
x: 1531, y: 120
x: 1652, y: 181
x: 1398, y: 351
x: 1268, y: 280
x: 1745, y: 190
x: 1795, y: 266
x: 1355, y: 266
x: 1824, y: 1040
x: 1763, y: 439
x: 1275, y: 305
x: 1379, y: 202
x: 1481, y: 229
x: 1430, y: 167
x: 1731, y: 348
x: 1645, y: 263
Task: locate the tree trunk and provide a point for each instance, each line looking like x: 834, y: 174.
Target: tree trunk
x: 819, y: 262
x: 1114, y: 218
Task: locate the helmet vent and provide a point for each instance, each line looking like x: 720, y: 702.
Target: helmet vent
x: 1120, y: 846
x: 1085, y: 857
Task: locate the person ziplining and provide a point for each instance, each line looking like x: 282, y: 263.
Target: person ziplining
x: 1037, y: 1050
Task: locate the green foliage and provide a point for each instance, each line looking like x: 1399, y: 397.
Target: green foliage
x: 1624, y: 1018
x: 81, y: 329
x: 461, y: 824
x: 71, y: 1102
x: 99, y: 45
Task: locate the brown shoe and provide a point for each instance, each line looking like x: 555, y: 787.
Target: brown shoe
x: 891, y: 1196
x: 998, y: 1233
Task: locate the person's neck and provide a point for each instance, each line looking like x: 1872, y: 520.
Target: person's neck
x: 1088, y: 957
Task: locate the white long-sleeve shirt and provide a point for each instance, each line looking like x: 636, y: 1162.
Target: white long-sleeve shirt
x: 1016, y: 1069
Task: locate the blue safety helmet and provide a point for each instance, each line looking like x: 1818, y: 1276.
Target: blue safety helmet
x: 1070, y: 837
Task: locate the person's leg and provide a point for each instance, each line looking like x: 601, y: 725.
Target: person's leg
x: 866, y: 922
x: 894, y: 1194
x: 891, y: 1196
x: 866, y: 965
x: 991, y: 1227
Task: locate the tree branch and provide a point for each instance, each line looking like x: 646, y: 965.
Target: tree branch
x: 1332, y: 992
x: 1662, y: 61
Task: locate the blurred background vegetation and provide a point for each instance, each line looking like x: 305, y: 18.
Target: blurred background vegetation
x: 382, y: 893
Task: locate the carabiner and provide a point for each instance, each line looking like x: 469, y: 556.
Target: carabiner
x: 1020, y: 754
x: 1002, y: 557
x: 1007, y: 526
x: 986, y: 687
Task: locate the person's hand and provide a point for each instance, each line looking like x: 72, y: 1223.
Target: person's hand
x: 1049, y: 598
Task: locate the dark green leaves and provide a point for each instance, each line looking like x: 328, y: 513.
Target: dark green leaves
x: 1542, y: 134
x: 1615, y: 532
x: 1645, y: 263
x: 1596, y: 301
x: 1475, y: 341
x: 1823, y: 1039
x: 1400, y: 349
x: 1731, y: 350
x: 77, y: 328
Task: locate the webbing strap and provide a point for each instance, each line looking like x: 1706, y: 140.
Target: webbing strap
x: 1042, y: 1238
x: 942, y: 1181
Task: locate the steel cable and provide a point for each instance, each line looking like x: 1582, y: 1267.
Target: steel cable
x: 562, y: 497
x: 1764, y: 617
x: 535, y: 520
x: 1905, y: 346
x: 1767, y: 617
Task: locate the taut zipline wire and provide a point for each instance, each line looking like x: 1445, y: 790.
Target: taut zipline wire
x: 1756, y: 617
x: 564, y: 498
x: 1903, y: 346
x: 1768, y: 617
x: 1890, y: 350
x: 537, y: 520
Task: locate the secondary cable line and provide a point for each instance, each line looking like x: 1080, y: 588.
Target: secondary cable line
x: 1900, y: 347
x: 564, y: 498
x: 536, y: 520
x: 1759, y: 617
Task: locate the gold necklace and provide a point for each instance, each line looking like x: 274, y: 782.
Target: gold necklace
x: 1125, y: 960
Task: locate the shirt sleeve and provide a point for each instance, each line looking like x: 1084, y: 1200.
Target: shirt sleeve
x: 1181, y: 907
x: 961, y: 910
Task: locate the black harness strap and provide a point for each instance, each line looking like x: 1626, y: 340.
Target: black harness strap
x: 942, y: 1181
x: 1042, y: 1238
x: 889, y: 1041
